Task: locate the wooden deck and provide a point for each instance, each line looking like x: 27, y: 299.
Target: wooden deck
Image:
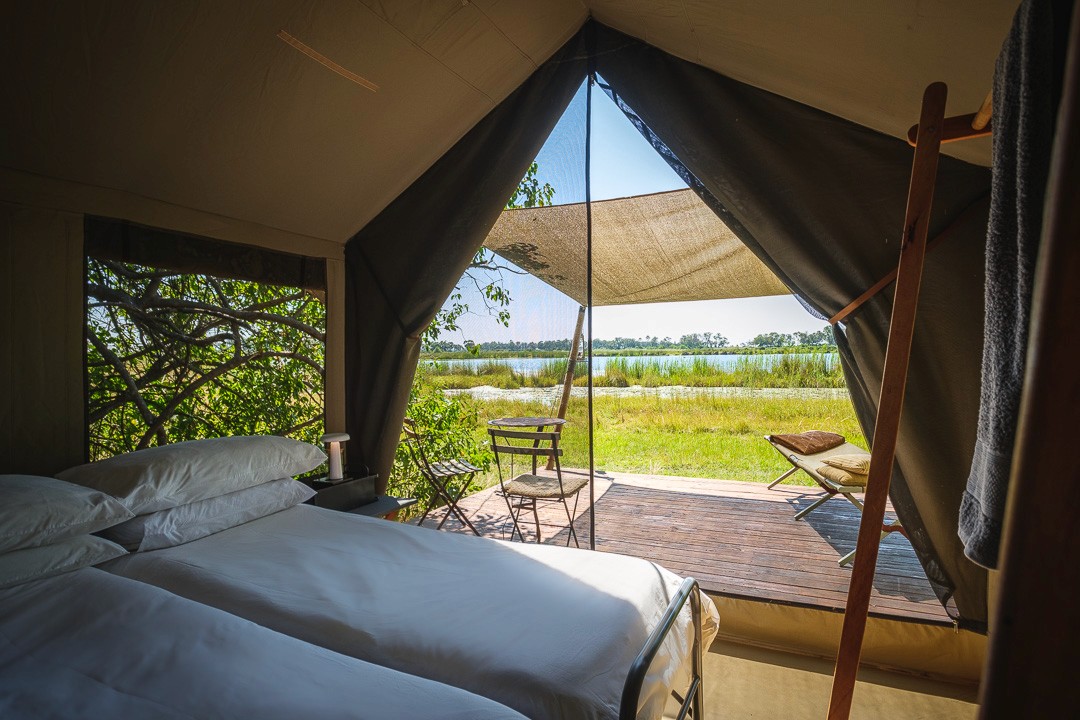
x: 737, y: 538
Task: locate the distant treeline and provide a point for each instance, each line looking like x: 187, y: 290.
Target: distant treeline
x: 696, y: 341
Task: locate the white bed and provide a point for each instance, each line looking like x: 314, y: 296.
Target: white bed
x: 550, y: 632
x: 88, y: 644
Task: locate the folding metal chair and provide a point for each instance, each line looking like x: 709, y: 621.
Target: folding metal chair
x: 528, y: 488
x: 440, y: 474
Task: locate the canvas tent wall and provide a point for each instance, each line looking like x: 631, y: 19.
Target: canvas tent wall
x: 839, y: 184
x: 195, y: 117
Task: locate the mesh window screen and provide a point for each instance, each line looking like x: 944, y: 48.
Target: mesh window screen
x: 661, y: 256
x: 190, y: 338
x: 505, y: 339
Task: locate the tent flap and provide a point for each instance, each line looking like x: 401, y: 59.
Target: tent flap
x: 821, y: 200
x: 403, y: 264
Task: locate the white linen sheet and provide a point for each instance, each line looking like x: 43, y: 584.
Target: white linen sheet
x: 89, y: 644
x: 548, y: 631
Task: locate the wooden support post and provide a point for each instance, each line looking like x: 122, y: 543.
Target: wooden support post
x: 568, y: 379
x: 891, y: 400
x: 975, y: 208
x: 955, y: 129
x: 982, y: 117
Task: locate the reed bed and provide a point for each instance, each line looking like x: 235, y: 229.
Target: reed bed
x: 789, y: 371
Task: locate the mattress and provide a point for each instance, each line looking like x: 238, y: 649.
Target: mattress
x: 548, y: 631
x: 89, y: 644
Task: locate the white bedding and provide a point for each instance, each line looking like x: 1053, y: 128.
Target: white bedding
x: 88, y: 644
x: 548, y: 631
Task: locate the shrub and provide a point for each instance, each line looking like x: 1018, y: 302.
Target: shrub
x: 447, y: 425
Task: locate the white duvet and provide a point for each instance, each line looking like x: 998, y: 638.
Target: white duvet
x: 548, y: 631
x: 89, y: 644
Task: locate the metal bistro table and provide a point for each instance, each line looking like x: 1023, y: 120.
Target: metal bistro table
x: 523, y: 422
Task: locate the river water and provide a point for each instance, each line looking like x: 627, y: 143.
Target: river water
x: 530, y: 366
x: 551, y: 394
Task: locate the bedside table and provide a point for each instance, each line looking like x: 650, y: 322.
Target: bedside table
x: 384, y: 506
x: 344, y: 495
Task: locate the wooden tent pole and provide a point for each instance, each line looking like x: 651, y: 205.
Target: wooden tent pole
x: 979, y: 206
x: 568, y: 380
x: 982, y: 117
x: 891, y: 400
x: 957, y: 128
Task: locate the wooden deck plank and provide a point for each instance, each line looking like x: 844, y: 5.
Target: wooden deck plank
x: 737, y: 538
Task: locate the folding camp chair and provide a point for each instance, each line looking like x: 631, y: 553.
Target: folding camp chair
x: 440, y: 475
x: 809, y: 465
x: 529, y: 488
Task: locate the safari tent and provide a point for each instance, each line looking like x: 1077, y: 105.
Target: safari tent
x: 367, y: 149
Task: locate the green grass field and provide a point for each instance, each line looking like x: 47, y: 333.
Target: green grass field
x: 705, y: 437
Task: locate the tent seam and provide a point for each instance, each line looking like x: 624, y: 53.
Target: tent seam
x: 693, y: 35
x: 427, y: 52
x: 506, y: 37
x: 382, y: 290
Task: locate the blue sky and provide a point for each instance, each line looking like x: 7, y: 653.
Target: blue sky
x: 623, y: 165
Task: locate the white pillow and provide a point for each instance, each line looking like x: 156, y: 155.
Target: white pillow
x: 37, y: 511
x: 185, y: 523
x: 165, y: 477
x: 21, y: 566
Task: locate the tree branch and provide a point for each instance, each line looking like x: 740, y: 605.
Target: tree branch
x: 140, y: 311
x: 238, y: 360
x: 298, y: 356
x: 235, y: 314
x: 130, y: 273
x: 133, y: 391
x: 174, y: 345
x: 492, y: 266
x: 304, y: 424
x: 170, y: 407
x: 276, y: 301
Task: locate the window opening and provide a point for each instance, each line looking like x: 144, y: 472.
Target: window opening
x: 174, y: 356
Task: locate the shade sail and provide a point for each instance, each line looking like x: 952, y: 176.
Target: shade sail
x: 663, y: 247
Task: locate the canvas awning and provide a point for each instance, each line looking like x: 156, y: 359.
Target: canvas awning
x: 663, y: 247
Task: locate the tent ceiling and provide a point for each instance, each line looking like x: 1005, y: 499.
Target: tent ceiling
x: 200, y: 105
x: 652, y: 248
x: 866, y: 61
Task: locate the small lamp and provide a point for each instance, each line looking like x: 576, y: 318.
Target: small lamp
x: 333, y: 443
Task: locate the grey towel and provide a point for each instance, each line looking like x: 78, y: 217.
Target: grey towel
x: 1027, y: 86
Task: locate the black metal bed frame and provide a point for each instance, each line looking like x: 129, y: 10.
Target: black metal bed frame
x: 691, y: 704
